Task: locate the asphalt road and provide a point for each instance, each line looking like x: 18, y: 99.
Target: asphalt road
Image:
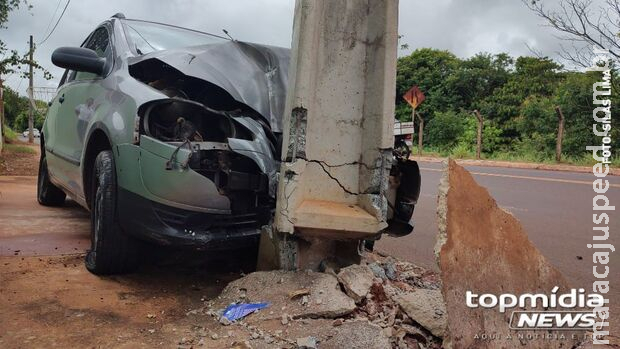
x: 554, y: 207
x: 25, y: 139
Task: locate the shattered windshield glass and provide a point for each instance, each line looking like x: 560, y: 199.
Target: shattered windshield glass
x: 145, y: 37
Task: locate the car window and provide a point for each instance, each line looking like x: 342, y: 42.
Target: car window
x: 98, y: 41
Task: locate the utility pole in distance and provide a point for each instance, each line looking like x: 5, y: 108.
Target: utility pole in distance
x: 30, y: 89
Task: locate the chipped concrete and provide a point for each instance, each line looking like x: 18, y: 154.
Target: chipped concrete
x: 356, y: 280
x: 358, y: 335
x: 484, y: 249
x: 307, y: 306
x: 427, y: 308
x: 275, y: 287
x: 297, y: 134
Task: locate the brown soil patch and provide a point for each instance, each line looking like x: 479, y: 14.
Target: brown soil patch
x: 14, y: 163
x: 54, y: 302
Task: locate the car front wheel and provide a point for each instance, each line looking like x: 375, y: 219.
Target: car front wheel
x: 112, y: 251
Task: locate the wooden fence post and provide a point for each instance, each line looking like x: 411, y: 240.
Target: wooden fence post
x: 420, y: 133
x: 558, y: 144
x: 479, y: 137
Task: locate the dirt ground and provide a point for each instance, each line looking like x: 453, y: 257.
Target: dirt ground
x: 14, y: 163
x: 52, y: 301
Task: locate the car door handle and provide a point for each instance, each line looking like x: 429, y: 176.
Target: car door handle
x: 61, y: 99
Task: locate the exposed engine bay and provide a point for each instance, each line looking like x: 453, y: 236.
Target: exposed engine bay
x: 223, y: 143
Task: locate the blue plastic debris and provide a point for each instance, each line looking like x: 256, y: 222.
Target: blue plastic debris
x: 237, y: 311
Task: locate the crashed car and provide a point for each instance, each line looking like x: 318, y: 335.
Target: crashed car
x: 173, y: 136
x: 165, y: 134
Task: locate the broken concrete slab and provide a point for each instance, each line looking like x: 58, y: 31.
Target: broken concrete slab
x: 356, y: 280
x: 483, y: 249
x: 358, y: 335
x: 324, y: 300
x: 307, y: 343
x: 427, y: 308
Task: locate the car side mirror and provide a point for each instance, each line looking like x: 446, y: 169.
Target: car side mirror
x: 79, y: 59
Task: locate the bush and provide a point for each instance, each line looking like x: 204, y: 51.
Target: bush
x: 462, y: 151
x: 9, y: 134
x: 21, y: 121
x: 445, y: 129
x: 537, y: 124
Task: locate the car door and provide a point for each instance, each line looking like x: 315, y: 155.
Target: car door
x: 79, y: 99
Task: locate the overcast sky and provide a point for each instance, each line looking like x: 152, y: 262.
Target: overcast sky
x: 464, y: 27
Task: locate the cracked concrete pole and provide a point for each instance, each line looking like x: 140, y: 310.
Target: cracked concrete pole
x: 338, y: 132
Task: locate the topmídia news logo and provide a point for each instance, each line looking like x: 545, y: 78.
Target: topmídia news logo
x: 569, y: 311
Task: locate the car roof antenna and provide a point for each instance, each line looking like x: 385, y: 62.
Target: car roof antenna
x: 226, y: 32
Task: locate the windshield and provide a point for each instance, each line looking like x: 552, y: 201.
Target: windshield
x: 145, y: 37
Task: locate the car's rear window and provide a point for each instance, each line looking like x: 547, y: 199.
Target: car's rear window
x: 145, y: 37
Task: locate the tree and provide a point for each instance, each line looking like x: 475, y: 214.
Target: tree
x: 478, y: 77
x: 428, y: 69
x: 582, y: 25
x: 14, y: 104
x: 12, y: 61
x: 574, y: 96
x: 532, y: 76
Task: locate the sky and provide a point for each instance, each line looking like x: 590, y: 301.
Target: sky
x: 464, y: 27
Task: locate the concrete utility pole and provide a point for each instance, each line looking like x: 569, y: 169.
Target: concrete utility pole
x: 30, y: 86
x: 479, y: 136
x: 338, y: 133
x: 558, y: 144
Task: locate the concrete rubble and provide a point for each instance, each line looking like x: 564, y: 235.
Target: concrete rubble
x: 427, y: 307
x: 324, y: 299
x: 329, y: 317
x: 387, y: 303
x: 356, y: 280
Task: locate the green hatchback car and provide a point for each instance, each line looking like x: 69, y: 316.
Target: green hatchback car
x: 166, y: 135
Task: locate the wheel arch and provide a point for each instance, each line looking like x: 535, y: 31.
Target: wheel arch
x: 98, y: 141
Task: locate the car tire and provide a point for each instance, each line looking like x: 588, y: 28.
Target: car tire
x: 47, y: 193
x: 112, y: 251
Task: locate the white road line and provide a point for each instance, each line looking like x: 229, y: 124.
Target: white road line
x: 559, y: 180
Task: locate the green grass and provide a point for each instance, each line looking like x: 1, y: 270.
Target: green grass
x: 461, y: 152
x: 9, y: 134
x: 15, y: 148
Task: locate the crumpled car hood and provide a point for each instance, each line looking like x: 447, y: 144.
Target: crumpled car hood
x: 255, y: 75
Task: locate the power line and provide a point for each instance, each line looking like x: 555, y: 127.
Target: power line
x: 52, y: 19
x: 55, y: 25
x: 19, y: 85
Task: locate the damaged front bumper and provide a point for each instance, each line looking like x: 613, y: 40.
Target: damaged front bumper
x: 170, y: 226
x: 202, y: 194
